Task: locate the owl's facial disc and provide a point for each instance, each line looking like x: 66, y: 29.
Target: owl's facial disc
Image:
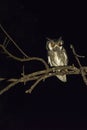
x: 51, y: 45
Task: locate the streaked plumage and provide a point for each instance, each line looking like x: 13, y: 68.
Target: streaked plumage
x: 57, y: 55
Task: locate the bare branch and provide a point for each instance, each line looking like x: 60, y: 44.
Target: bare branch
x: 4, y: 41
x: 34, y: 85
x: 7, y: 35
x: 8, y: 87
x: 40, y: 75
x: 43, y: 74
x: 81, y: 68
x: 71, y: 46
x: 24, y: 59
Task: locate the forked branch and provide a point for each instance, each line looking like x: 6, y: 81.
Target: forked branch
x: 40, y: 75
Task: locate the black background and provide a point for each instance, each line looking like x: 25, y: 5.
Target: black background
x: 52, y: 104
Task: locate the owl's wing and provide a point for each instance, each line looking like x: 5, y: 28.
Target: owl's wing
x: 50, y: 54
x: 65, y: 57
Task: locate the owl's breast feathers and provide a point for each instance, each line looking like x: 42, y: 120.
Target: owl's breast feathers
x: 57, y: 58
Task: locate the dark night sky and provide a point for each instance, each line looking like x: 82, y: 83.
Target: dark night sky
x: 52, y: 104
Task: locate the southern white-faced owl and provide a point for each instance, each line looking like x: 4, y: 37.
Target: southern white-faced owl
x: 57, y: 55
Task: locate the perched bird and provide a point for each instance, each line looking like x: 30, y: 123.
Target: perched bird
x: 57, y: 55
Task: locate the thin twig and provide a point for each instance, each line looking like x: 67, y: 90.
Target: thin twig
x: 72, y: 47
x: 34, y: 85
x: 13, y: 41
x: 81, y: 68
x: 24, y: 59
x: 4, y: 41
x: 8, y: 87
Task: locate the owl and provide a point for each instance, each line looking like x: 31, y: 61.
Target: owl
x: 57, y: 55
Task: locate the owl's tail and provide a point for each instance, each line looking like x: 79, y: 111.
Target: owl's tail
x: 63, y: 78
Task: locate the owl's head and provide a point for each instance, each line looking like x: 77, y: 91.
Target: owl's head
x: 53, y: 44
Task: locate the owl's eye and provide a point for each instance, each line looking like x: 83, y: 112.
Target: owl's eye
x: 52, y: 44
x: 60, y: 43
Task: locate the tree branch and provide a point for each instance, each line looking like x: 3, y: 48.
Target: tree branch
x: 24, y: 59
x: 8, y: 36
x: 43, y: 74
x: 40, y: 75
x: 81, y: 68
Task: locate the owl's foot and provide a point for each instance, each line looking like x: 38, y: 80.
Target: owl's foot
x: 64, y: 71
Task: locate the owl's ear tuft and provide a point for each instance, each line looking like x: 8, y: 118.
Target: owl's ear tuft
x: 48, y: 38
x: 60, y: 41
x: 60, y: 38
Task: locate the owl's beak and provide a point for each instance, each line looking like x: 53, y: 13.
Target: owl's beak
x: 61, y: 43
